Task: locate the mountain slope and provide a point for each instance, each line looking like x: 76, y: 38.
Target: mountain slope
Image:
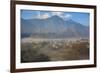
x: 53, y: 27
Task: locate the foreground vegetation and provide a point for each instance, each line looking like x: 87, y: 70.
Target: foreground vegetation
x: 54, y: 50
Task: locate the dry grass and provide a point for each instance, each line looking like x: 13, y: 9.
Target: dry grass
x: 54, y: 51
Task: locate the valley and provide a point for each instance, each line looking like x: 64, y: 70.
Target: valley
x: 43, y: 50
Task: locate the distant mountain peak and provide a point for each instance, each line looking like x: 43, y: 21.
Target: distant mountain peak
x: 56, y: 17
x: 54, y: 26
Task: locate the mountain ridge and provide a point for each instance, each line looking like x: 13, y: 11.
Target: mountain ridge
x: 53, y: 27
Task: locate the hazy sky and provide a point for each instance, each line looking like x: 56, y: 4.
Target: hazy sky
x: 79, y: 17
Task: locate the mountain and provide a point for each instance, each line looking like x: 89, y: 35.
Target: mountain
x: 53, y: 27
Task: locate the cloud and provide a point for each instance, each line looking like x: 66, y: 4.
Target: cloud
x: 57, y: 13
x: 63, y: 15
x: 67, y: 16
x: 42, y: 16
